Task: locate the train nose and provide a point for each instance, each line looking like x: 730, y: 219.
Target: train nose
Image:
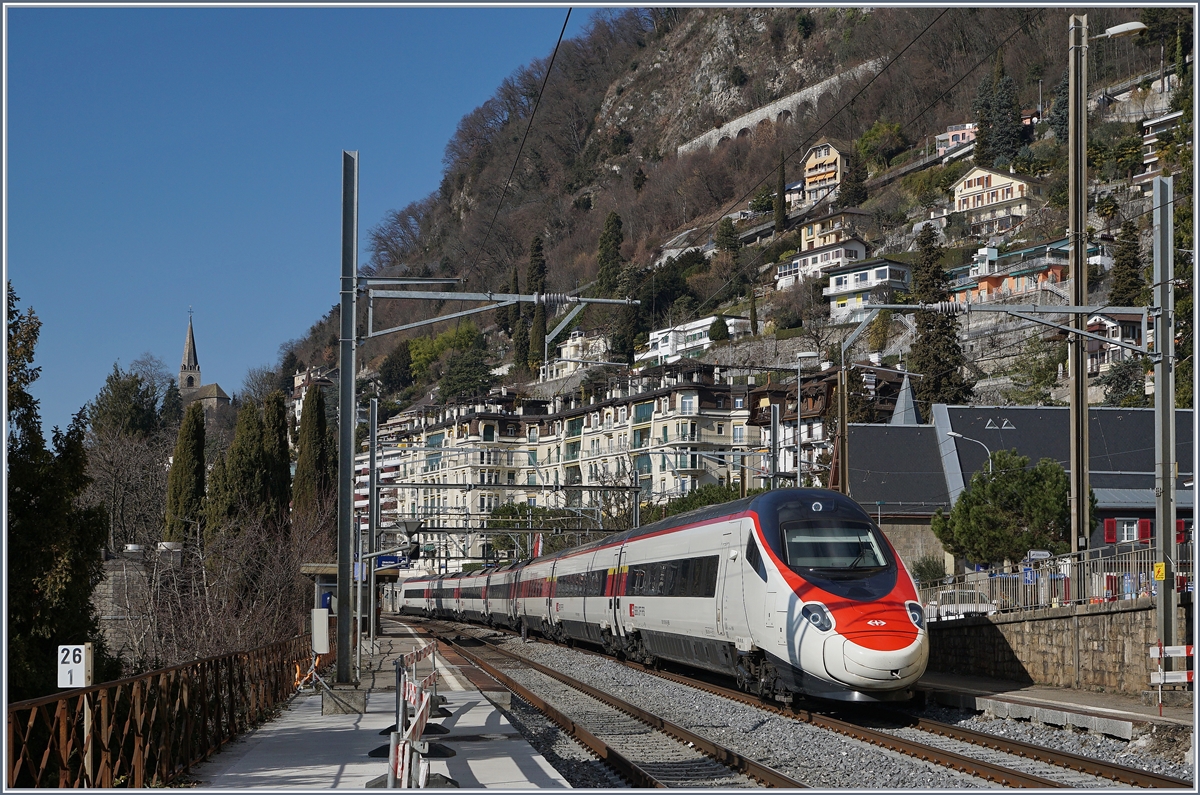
x: 865, y: 668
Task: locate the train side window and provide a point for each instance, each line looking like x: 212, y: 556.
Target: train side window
x: 754, y: 559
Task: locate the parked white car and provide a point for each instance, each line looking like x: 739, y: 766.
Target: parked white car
x: 956, y: 604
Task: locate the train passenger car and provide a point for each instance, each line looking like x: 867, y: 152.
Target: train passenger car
x: 499, y: 604
x: 531, y: 597
x: 415, y: 596
x: 470, y: 596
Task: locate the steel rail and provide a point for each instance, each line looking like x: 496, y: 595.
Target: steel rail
x: 624, y: 767
x: 959, y: 762
x: 731, y: 759
x: 1077, y: 762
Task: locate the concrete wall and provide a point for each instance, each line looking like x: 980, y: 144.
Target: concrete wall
x: 912, y: 538
x: 1089, y: 647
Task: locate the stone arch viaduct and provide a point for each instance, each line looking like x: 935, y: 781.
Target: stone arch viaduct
x: 801, y: 103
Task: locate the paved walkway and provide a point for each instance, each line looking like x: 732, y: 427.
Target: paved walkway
x: 303, y: 749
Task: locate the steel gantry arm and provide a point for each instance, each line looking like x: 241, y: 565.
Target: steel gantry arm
x: 494, y: 300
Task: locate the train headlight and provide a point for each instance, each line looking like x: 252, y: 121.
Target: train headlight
x: 916, y: 613
x: 816, y: 614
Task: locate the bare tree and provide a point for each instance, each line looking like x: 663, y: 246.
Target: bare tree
x: 258, y: 383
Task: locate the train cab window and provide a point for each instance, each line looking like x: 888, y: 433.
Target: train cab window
x: 832, y: 544
x: 754, y: 559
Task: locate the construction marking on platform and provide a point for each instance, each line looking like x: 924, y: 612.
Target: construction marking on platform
x: 1169, y: 677
x: 1171, y: 651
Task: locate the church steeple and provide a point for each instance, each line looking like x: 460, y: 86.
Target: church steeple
x: 189, y: 371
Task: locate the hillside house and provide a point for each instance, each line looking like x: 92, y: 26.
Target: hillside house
x: 577, y: 350
x: 850, y: 286
x: 991, y: 276
x: 686, y: 340
x: 1151, y: 130
x: 793, y: 194
x: 820, y: 260
x: 955, y: 136
x: 994, y: 201
x: 825, y: 168
x: 1114, y: 326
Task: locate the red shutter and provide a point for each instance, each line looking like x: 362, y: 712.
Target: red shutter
x: 1144, y: 530
x: 1180, y: 532
x: 1110, y: 531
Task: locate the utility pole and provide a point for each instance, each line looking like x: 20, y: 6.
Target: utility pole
x: 373, y: 506
x: 1080, y: 487
x: 346, y: 408
x: 775, y: 445
x: 1164, y: 404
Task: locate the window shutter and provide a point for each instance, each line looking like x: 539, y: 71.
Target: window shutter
x: 1110, y: 531
x: 1180, y: 532
x: 1144, y: 530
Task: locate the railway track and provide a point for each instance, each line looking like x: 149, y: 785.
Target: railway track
x: 644, y: 749
x: 1003, y: 761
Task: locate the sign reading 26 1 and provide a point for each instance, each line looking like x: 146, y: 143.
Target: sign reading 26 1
x: 75, y: 665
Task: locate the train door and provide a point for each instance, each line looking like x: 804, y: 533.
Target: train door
x: 548, y: 592
x: 728, y: 568
x: 616, y: 588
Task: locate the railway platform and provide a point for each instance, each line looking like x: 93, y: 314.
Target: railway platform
x: 302, y: 748
x: 1109, y: 713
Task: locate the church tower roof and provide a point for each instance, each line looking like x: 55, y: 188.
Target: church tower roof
x: 189, y: 349
x: 189, y: 370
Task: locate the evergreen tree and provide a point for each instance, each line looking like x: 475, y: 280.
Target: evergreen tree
x: 520, y: 341
x: 54, y: 544
x: 1007, y: 129
x: 1128, y: 285
x: 1059, y: 117
x: 753, y: 312
x: 608, y: 255
x: 170, y: 413
x: 185, y: 481
x: 276, y: 458
x: 288, y: 368
x: 1008, y: 511
x: 936, y: 353
x: 780, y: 200
x: 1036, y: 372
x: 125, y: 405
x: 537, y: 336
x: 220, y: 508
x: 396, y: 371
x: 311, y: 485
x: 727, y: 238
x: 468, y: 374
x: 627, y: 324
x: 718, y: 331
x: 1124, y: 384
x: 535, y: 275
x: 507, y: 316
x: 853, y: 190
x: 981, y: 108
x: 246, y: 466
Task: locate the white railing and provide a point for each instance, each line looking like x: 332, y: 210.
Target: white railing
x: 1107, y: 574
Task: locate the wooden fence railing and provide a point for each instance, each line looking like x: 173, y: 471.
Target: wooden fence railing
x: 149, y: 729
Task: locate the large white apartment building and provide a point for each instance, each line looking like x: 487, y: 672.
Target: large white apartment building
x: 670, y: 429
x: 687, y: 340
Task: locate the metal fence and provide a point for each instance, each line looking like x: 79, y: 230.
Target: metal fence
x: 1111, y: 573
x: 147, y: 730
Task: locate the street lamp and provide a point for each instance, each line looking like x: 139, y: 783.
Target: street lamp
x: 958, y: 435
x: 1077, y: 235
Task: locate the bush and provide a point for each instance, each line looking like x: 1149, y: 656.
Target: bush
x: 928, y: 569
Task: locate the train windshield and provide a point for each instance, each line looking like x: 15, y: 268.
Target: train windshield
x: 834, y: 546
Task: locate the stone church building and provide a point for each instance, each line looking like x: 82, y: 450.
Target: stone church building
x: 191, y: 388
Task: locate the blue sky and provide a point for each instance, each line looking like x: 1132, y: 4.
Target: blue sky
x: 164, y: 158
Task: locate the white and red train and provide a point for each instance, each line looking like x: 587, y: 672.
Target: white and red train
x: 794, y: 591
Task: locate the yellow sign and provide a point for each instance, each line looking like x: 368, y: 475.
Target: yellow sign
x: 1160, y: 571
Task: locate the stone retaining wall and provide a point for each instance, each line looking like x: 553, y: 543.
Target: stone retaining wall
x: 1089, y: 647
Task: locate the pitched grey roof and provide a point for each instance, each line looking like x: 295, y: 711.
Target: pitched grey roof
x: 897, y: 469
x: 189, y: 349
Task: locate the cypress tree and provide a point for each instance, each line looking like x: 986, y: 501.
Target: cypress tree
x: 535, y: 278
x: 982, y: 110
x: 185, y: 481
x: 936, y: 354
x: 535, y: 275
x: 520, y: 341
x: 780, y: 201
x: 1128, y: 285
x: 396, y: 371
x: 245, y: 465
x: 276, y: 458
x: 608, y: 255
x: 220, y: 510
x: 753, y: 312
x: 311, y: 484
